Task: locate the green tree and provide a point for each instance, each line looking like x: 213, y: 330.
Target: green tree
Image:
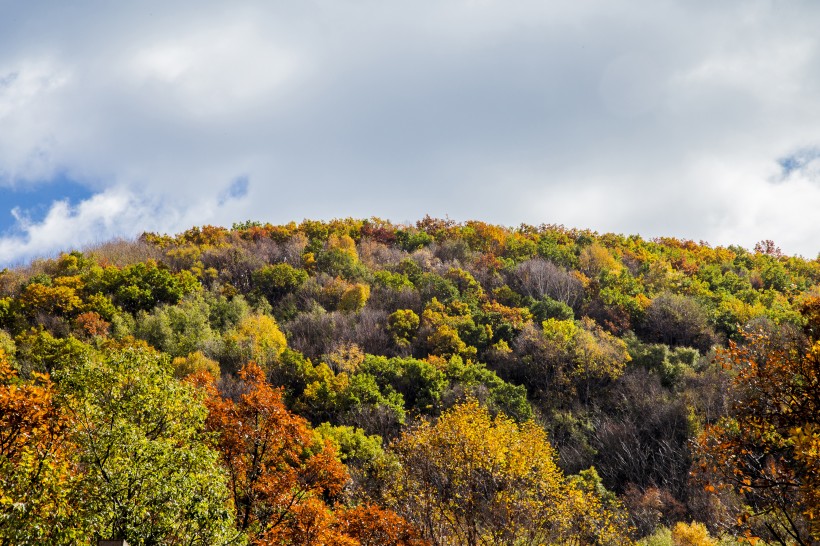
x: 141, y: 286
x: 276, y: 281
x: 176, y: 329
x: 150, y: 476
x: 402, y: 325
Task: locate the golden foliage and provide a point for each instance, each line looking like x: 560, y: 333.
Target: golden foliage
x: 474, y: 479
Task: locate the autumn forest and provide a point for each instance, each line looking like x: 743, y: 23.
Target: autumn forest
x: 364, y: 383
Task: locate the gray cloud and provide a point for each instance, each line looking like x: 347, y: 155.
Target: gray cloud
x: 658, y: 118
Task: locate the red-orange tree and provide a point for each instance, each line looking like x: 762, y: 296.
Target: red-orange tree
x: 768, y: 449
x: 280, y: 472
x: 372, y: 525
x: 36, y: 472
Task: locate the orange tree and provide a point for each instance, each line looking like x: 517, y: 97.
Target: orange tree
x: 768, y: 448
x: 37, y: 476
x: 279, y: 471
x: 284, y: 477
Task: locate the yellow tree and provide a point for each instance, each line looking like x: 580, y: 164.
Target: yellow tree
x: 473, y: 479
x: 257, y: 338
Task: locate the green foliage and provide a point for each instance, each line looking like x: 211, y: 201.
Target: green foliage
x: 357, y: 399
x: 532, y: 321
x: 548, y: 308
x: 661, y: 537
x: 6, y: 311
x: 39, y: 351
x: 410, y: 240
x: 224, y: 313
x: 671, y: 364
x: 176, y: 329
x: 352, y: 444
x: 142, y: 286
x: 277, y: 280
x: 420, y: 384
x: 389, y: 279
x: 562, y: 253
x: 370, y: 466
x: 151, y: 476
x: 338, y: 262
x: 403, y: 325
x: 470, y: 291
x: 7, y: 345
x: 474, y: 379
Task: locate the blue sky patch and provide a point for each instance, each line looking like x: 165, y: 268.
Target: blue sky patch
x: 237, y: 190
x: 798, y: 160
x: 34, y: 201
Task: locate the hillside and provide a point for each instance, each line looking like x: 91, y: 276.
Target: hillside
x: 362, y: 382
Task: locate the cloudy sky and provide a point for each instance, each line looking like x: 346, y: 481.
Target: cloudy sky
x: 696, y: 119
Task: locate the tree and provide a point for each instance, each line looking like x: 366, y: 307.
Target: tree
x: 768, y: 448
x: 595, y: 259
x: 372, y: 525
x: 143, y: 285
x: 150, y: 476
x: 568, y: 358
x: 538, y: 278
x: 176, y: 329
x: 402, y: 325
x: 691, y: 534
x: 184, y: 366
x: 37, y: 473
x: 678, y: 320
x: 256, y: 338
x: 276, y: 281
x: 355, y: 297
x: 60, y: 298
x: 473, y: 479
x: 280, y: 471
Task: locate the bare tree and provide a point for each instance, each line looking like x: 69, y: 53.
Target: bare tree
x: 538, y: 278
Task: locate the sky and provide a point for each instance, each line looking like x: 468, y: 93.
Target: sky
x: 694, y: 119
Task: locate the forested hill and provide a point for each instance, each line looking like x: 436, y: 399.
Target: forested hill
x: 358, y: 382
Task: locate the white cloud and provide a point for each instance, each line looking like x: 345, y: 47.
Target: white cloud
x: 27, y: 88
x: 216, y: 71
x: 115, y: 212
x: 653, y: 117
x: 102, y: 217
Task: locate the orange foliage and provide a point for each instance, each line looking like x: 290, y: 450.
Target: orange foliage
x: 374, y: 526
x: 768, y: 450
x: 35, y: 458
x: 93, y: 324
x: 279, y: 470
